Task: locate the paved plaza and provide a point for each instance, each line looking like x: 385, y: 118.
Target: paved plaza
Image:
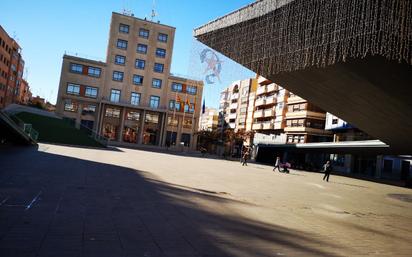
x: 65, y: 201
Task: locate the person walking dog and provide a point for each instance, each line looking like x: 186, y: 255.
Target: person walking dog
x: 327, y: 168
x: 277, y: 164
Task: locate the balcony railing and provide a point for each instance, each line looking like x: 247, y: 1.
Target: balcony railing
x: 260, y: 101
x: 258, y: 114
x: 257, y: 126
x: 234, y: 96
x: 232, y: 116
x: 233, y: 106
x: 272, y: 87
x: 271, y: 100
x: 268, y: 125
x: 261, y: 90
x: 269, y: 112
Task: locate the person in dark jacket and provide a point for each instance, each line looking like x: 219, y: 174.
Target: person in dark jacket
x: 245, y: 157
x: 327, y: 168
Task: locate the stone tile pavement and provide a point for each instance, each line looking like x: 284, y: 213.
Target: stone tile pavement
x: 66, y: 201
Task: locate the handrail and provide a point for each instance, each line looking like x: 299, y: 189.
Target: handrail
x: 26, y: 127
x: 92, y: 133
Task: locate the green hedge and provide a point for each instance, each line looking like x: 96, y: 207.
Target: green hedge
x: 59, y: 131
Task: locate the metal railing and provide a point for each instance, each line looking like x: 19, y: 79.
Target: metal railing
x: 92, y: 133
x: 26, y: 127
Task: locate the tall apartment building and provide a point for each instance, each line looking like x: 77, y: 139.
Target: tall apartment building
x: 234, y: 103
x: 132, y: 98
x: 269, y: 109
x: 278, y: 111
x: 11, y: 70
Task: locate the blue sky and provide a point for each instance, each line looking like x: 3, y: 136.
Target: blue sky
x: 45, y: 29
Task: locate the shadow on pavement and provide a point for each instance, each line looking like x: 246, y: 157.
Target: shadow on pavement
x: 94, y: 209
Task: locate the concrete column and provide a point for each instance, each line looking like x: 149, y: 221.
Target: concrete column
x: 142, y: 117
x: 120, y: 135
x: 101, y: 117
x: 179, y: 130
x: 162, y: 118
x: 379, y: 166
x: 79, y: 116
x: 97, y: 118
x: 164, y: 130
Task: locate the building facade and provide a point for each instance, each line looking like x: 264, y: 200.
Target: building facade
x: 132, y: 98
x: 272, y: 112
x: 209, y: 119
x: 235, y: 104
x: 390, y: 167
x: 11, y: 70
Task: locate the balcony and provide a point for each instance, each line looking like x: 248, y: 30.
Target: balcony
x: 267, y: 125
x: 306, y: 114
x: 260, y: 102
x: 295, y: 99
x: 263, y: 80
x: 271, y: 100
x: 233, y: 106
x: 232, y: 116
x: 234, y: 96
x: 258, y: 114
x: 268, y: 112
x: 272, y: 87
x: 257, y: 126
x: 261, y: 90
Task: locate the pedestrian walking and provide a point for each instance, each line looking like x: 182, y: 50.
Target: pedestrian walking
x: 327, y: 168
x: 277, y: 164
x: 245, y: 157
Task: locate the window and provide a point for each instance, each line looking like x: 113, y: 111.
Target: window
x: 151, y: 118
x: 133, y: 116
x: 172, y: 121
x: 189, y: 108
x: 140, y: 64
x: 115, y: 95
x: 177, y: 87
x: 120, y: 59
x: 70, y: 106
x: 135, y: 98
x: 91, y: 92
x: 94, y: 72
x: 112, y: 112
x: 123, y: 28
x: 334, y: 121
x: 173, y: 105
x: 144, y: 33
x: 141, y: 48
x: 158, y: 67
x: 154, y: 102
x: 73, y: 89
x: 117, y: 76
x: 76, y: 68
x: 156, y: 83
x: 88, y: 109
x: 137, y: 79
x: 160, y: 52
x: 191, y: 90
x: 122, y: 44
x: 187, y: 123
x: 162, y: 37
